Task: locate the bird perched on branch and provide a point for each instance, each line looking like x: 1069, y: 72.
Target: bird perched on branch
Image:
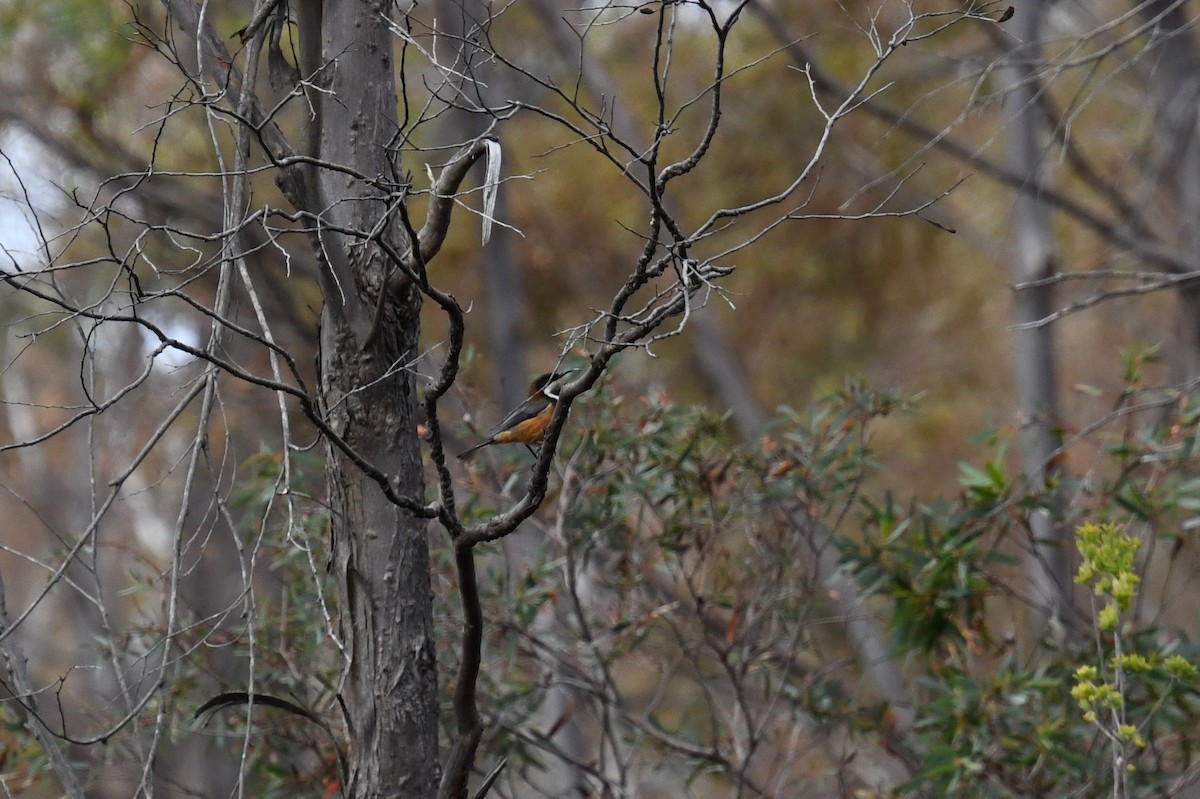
x: 528, y: 421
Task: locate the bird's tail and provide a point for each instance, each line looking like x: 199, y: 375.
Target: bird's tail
x: 466, y: 453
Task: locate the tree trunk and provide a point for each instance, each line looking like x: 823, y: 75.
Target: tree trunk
x: 1032, y: 258
x: 1174, y: 90
x: 380, y: 553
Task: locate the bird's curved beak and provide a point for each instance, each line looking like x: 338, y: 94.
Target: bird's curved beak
x: 559, y: 380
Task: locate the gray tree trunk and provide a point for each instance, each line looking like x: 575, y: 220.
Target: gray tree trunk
x: 380, y: 559
x: 1174, y: 92
x: 1032, y: 258
x: 380, y: 554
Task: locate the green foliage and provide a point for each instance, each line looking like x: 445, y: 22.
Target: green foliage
x: 1105, y: 691
x: 999, y: 717
x: 1107, y: 564
x: 934, y: 561
x: 678, y: 570
x: 676, y: 589
x: 1000, y: 732
x: 930, y: 561
x: 678, y: 573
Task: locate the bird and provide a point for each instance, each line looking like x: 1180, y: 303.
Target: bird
x: 528, y: 421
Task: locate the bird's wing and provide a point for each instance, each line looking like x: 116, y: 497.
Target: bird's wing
x: 526, y: 410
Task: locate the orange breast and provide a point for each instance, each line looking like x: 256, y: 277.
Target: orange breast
x: 527, y: 431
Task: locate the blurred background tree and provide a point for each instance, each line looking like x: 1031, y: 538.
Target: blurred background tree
x: 730, y: 604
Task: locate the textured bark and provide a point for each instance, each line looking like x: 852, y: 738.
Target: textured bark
x: 380, y: 554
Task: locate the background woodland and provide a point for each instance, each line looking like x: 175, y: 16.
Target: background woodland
x: 877, y: 475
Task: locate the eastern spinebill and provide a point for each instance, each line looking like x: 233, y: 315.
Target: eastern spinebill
x: 528, y: 421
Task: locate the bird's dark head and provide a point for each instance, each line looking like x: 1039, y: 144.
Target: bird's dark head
x: 553, y: 379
